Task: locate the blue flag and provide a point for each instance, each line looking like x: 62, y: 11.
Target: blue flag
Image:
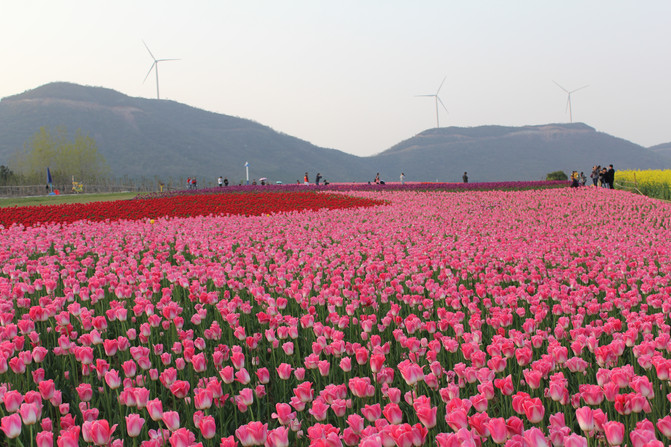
x: 246, y: 164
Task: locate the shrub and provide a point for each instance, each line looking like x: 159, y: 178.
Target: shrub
x: 556, y: 175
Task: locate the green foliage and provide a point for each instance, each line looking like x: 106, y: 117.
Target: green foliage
x: 65, y: 158
x: 6, y: 175
x: 556, y: 175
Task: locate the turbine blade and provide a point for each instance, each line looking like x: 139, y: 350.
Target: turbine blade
x: 441, y: 85
x: 426, y: 96
x: 149, y: 72
x: 560, y: 86
x: 150, y: 53
x: 442, y: 104
x: 163, y: 60
x: 584, y: 86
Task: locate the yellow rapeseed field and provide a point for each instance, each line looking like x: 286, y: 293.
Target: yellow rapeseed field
x: 652, y: 182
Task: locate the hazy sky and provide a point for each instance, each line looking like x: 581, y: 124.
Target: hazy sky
x: 344, y: 74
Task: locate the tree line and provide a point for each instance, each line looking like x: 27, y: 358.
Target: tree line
x: 65, y: 157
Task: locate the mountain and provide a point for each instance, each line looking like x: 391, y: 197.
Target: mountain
x: 165, y: 139
x: 663, y: 149
x: 498, y: 153
x: 146, y: 137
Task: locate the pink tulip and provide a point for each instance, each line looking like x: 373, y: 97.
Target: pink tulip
x: 98, y: 432
x: 534, y: 410
x: 171, y: 420
x: 228, y: 442
x: 47, y: 389
x: 535, y: 438
x: 207, y: 427
x: 180, y: 388
x: 284, y: 371
x: 112, y: 379
x: 263, y: 375
x: 498, y: 430
x: 318, y: 409
x: 283, y: 413
x: 411, y: 372
x: 155, y: 409
x: 392, y: 412
x: 278, y: 437
x: 30, y: 413
x: 134, y: 424
x: 11, y: 425
x: 585, y: 418
x: 182, y: 438
x: 664, y: 426
x: 253, y: 433
x: 304, y: 391
x: 44, y: 439
x: 575, y: 440
x: 12, y: 400
x: 614, y: 432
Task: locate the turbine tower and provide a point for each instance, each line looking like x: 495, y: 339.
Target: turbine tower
x: 568, y: 102
x: 154, y: 66
x: 438, y: 100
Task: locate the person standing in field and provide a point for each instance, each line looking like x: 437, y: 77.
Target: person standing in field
x: 465, y: 177
x: 220, y: 181
x: 402, y: 178
x: 318, y: 178
x: 306, y: 180
x: 595, y: 175
x: 225, y: 181
x: 610, y: 177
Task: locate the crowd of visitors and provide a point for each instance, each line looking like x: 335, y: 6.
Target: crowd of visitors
x: 601, y: 177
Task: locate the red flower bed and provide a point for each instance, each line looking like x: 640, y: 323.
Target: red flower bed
x: 180, y: 206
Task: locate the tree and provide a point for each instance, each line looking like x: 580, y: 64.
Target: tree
x: 6, y: 175
x: 65, y: 158
x: 557, y: 175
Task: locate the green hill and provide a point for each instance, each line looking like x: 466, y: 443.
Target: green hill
x: 148, y: 137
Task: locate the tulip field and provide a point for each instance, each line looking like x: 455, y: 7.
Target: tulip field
x: 408, y: 317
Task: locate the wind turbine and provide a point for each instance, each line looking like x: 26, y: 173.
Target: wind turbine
x: 154, y: 67
x: 438, y: 100
x: 568, y: 102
